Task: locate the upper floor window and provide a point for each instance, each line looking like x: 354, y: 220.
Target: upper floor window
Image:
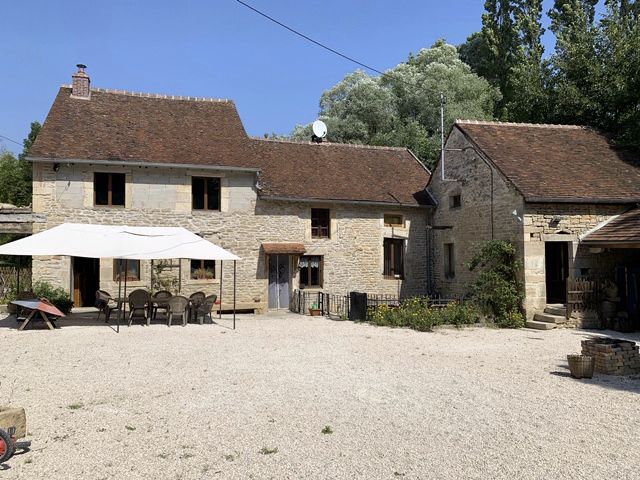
x: 455, y: 201
x: 393, y: 257
x: 203, y: 269
x: 449, y: 260
x: 320, y: 223
x: 393, y: 220
x: 310, y: 271
x: 205, y: 193
x: 108, y: 188
x: 131, y: 267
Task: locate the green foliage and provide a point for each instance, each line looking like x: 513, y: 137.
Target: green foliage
x: 416, y: 313
x: 497, y: 289
x: 163, y: 277
x: 55, y: 295
x: 327, y: 430
x: 402, y: 107
x: 15, y: 173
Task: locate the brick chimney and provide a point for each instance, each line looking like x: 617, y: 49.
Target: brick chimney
x: 80, y: 86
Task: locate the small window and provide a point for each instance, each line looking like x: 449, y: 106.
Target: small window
x: 203, y: 269
x: 393, y: 220
x: 393, y: 257
x: 455, y: 201
x: 320, y: 223
x: 108, y: 189
x: 449, y: 261
x: 205, y: 193
x: 132, y: 268
x: 311, y: 270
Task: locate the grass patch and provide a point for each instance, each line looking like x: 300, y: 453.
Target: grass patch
x: 75, y: 406
x: 163, y: 456
x: 130, y: 428
x: 268, y: 451
x: 327, y: 430
x: 229, y: 457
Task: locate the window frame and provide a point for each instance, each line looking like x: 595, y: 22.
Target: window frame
x: 392, y: 246
x: 309, y: 276
x: 109, y: 192
x: 455, y: 201
x: 389, y: 224
x: 116, y: 270
x: 449, y: 260
x: 205, y: 198
x: 202, y: 266
x: 318, y: 229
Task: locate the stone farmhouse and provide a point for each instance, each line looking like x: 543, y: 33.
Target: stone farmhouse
x: 563, y: 194
x: 313, y: 216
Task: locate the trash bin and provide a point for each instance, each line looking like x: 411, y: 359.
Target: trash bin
x: 358, y: 306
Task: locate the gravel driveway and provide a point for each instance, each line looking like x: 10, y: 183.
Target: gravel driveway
x: 207, y: 402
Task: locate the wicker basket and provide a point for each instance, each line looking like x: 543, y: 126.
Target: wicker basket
x: 581, y: 366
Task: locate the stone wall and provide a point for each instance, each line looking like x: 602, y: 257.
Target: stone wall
x: 561, y: 222
x: 353, y: 256
x: 467, y: 175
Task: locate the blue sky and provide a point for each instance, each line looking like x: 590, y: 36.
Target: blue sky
x: 212, y: 49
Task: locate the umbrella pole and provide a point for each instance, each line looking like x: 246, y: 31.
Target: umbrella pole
x: 220, y: 307
x: 234, y: 294
x: 18, y: 272
x: 179, y: 276
x: 119, y: 298
x: 126, y: 274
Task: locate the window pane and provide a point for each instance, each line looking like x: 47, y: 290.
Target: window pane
x: 315, y: 276
x: 117, y: 188
x: 393, y: 220
x: 101, y: 188
x: 132, y: 268
x: 393, y: 257
x: 213, y: 194
x: 304, y: 277
x: 320, y: 221
x: 197, y: 193
x: 203, y: 269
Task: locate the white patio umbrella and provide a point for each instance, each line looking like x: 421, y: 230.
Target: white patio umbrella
x: 122, y: 242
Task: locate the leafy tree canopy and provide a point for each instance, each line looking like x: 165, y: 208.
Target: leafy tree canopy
x: 15, y: 173
x: 402, y: 107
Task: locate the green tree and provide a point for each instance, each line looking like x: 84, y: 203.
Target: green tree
x: 15, y: 173
x: 402, y: 107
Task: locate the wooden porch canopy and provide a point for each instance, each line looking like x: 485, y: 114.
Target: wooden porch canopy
x: 622, y: 231
x: 284, y: 248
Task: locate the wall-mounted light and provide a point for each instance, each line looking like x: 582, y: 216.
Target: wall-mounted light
x: 56, y: 167
x: 555, y: 221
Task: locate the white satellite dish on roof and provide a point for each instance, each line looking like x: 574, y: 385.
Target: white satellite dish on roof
x: 319, y: 130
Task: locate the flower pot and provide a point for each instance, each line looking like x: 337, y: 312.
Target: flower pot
x: 581, y: 366
x: 315, y: 312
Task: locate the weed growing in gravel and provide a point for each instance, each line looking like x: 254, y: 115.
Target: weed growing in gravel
x: 186, y: 455
x: 163, y: 456
x: 229, y: 457
x: 75, y: 406
x: 130, y: 428
x: 206, y: 468
x: 268, y: 451
x: 327, y: 430
x: 28, y: 460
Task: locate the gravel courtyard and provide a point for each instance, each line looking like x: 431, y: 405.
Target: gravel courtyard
x: 207, y: 402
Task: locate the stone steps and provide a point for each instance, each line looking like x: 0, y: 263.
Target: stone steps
x: 540, y: 325
x: 556, y: 309
x: 548, y: 318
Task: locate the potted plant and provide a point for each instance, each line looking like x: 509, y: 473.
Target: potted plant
x: 314, y: 310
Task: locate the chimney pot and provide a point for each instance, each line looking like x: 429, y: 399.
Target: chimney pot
x: 81, y: 83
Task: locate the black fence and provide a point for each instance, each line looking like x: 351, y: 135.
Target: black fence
x: 354, y: 306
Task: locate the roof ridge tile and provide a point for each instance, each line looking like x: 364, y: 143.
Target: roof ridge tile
x: 520, y: 124
x: 329, y: 144
x: 160, y: 96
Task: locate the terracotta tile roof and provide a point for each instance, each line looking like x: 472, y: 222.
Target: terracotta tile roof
x: 137, y: 127
x: 558, y: 162
x: 333, y: 171
x: 284, y: 248
x: 623, y: 229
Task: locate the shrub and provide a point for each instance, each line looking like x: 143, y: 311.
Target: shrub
x: 497, y: 290
x: 57, y: 296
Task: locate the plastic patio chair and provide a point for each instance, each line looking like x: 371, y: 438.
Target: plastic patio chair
x: 195, y: 300
x: 205, y: 308
x: 162, y: 294
x: 177, y: 308
x: 103, y: 304
x: 138, y: 304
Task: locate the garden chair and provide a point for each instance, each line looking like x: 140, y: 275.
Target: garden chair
x: 177, y: 308
x: 195, y: 300
x: 205, y: 308
x: 105, y: 304
x: 138, y: 304
x: 158, y: 303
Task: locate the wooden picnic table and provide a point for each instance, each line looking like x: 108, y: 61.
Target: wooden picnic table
x: 41, y: 306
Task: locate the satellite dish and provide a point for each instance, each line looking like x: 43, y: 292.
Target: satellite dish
x: 319, y: 129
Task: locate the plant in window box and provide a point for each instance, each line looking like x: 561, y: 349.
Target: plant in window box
x: 314, y: 310
x: 203, y: 274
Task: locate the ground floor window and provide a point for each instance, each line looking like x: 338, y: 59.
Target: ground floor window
x: 393, y: 257
x: 310, y: 271
x: 449, y: 261
x: 203, y: 269
x: 132, y: 268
